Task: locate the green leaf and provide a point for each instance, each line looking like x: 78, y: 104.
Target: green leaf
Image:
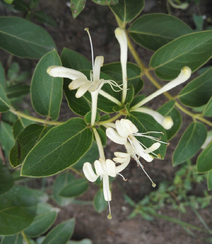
x: 25, y: 141
x: 146, y: 123
x: 152, y: 31
x: 133, y: 74
x: 64, y: 229
x: 106, y: 2
x: 20, y: 5
x: 33, y: 42
x: 84, y: 241
x: 46, y: 91
x: 168, y: 109
x: 102, y: 136
x: 204, y: 160
x: 74, y: 60
x: 6, y: 179
x: 9, y: 117
x: 74, y: 188
x: 2, y: 76
x: 16, y: 92
x: 91, y: 155
x: 18, y: 208
x: 60, y: 148
x: 42, y: 222
x: 62, y: 180
x: 209, y: 180
x: 198, y: 20
x: 208, y: 109
x: 6, y: 136
x: 77, y: 6
x: 19, y: 125
x: 198, y: 91
x: 44, y: 18
x: 127, y: 10
x: 99, y: 202
x: 4, y: 101
x: 191, y: 50
x: 190, y: 143
x: 15, y: 239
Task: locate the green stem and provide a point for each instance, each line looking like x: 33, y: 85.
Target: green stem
x: 110, y: 120
x: 76, y: 171
x: 25, y: 237
x: 22, y: 115
x: 99, y: 144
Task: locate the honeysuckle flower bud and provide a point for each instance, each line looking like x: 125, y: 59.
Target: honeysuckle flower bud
x: 166, y: 122
x: 182, y: 77
x: 122, y: 39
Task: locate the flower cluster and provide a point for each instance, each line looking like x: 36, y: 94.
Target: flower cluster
x: 122, y: 131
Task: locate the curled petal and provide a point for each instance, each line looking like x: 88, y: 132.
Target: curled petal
x: 111, y: 168
x: 58, y: 71
x: 88, y: 172
x: 114, y: 136
x: 76, y: 83
x: 83, y: 89
x: 97, y: 66
x: 154, y: 147
x: 98, y: 167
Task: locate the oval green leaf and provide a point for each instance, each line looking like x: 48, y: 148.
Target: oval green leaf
x: 65, y: 230
x: 208, y: 109
x: 15, y: 239
x: 77, y: 6
x: 19, y: 125
x: 47, y: 91
x: 5, y: 104
x: 6, y: 179
x: 127, y: 10
x: 2, y: 76
x: 191, y: 50
x: 6, y: 137
x: 168, y: 109
x: 198, y: 92
x: 74, y: 188
x: 152, y: 31
x: 99, y: 202
x: 60, y: 148
x: 209, y: 180
x: 23, y: 38
x: 204, y: 163
x: 190, y: 143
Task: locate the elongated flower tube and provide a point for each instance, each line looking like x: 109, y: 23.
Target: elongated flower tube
x: 182, y: 77
x: 166, y: 122
x: 122, y: 39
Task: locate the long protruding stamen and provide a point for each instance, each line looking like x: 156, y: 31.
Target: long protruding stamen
x: 92, y: 52
x: 122, y: 177
x: 139, y: 163
x: 109, y: 209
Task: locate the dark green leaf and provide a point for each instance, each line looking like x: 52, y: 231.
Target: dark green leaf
x: 127, y: 10
x: 19, y: 125
x: 106, y: 2
x: 4, y: 101
x: 91, y: 155
x: 130, y: 94
x: 204, y: 163
x: 18, y: 208
x: 9, y: 117
x: 20, y: 5
x: 43, y: 220
x: 133, y: 74
x: 190, y: 143
x: 208, y: 109
x: 13, y: 71
x: 137, y: 99
x: 87, y: 117
x: 146, y: 123
x: 60, y: 148
x: 99, y: 202
x: 168, y: 109
x: 198, y: 91
x: 62, y: 180
x: 6, y: 136
x: 65, y: 229
x: 44, y: 18
x: 23, y: 38
x: 46, y: 91
x: 26, y: 140
x: 6, y: 179
x: 2, y: 76
x: 74, y: 188
x: 191, y: 50
x: 9, y: 1
x: 209, y: 181
x: 77, y: 6
x: 16, y: 92
x: 15, y: 239
x: 152, y: 31
x: 33, y: 3
x: 102, y: 136
x: 198, y: 20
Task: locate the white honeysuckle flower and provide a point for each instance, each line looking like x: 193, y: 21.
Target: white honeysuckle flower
x: 184, y: 75
x: 166, y: 122
x: 122, y: 39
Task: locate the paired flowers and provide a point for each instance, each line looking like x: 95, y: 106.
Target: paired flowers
x: 123, y: 131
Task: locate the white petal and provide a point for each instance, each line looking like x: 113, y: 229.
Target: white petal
x: 111, y: 168
x: 106, y: 188
x: 98, y: 167
x: 167, y: 123
x: 88, y: 172
x: 154, y: 147
x: 123, y: 165
x: 76, y: 83
x: 120, y: 127
x: 114, y: 136
x: 58, y: 71
x: 83, y: 89
x: 97, y: 66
